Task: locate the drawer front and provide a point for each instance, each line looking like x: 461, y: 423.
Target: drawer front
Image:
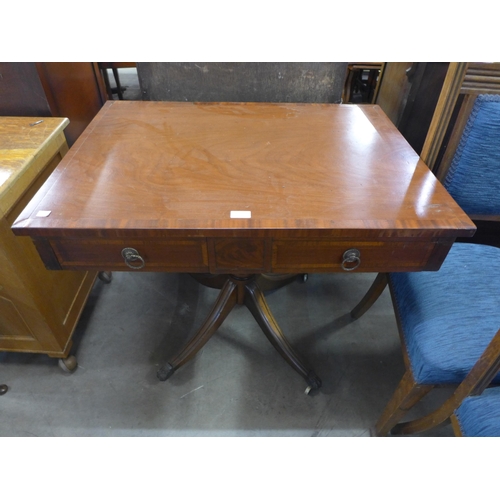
x: 243, y: 255
x: 233, y: 255
x: 174, y: 255
x: 332, y: 256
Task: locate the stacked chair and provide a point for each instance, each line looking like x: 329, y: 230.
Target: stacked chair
x: 478, y: 416
x: 449, y: 320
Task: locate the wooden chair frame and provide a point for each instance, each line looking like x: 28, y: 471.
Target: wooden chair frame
x: 463, y: 83
x: 408, y: 393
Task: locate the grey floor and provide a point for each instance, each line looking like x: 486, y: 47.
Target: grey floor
x: 238, y: 385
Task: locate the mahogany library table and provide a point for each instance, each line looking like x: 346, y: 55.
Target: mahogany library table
x: 238, y: 194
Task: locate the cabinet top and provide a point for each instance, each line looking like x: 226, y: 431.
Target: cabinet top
x: 22, y: 140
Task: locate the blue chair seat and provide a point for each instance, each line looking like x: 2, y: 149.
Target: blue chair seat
x: 444, y: 338
x: 479, y: 416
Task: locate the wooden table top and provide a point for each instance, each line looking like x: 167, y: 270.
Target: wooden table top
x: 147, y: 168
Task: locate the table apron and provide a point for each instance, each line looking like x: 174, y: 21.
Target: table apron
x: 244, y: 255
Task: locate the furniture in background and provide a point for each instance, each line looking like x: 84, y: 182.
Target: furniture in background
x: 238, y: 190
x: 447, y: 319
x: 468, y: 81
x: 39, y: 309
x: 114, y: 66
x: 478, y: 416
x: 408, y: 93
x: 60, y: 89
x: 362, y: 82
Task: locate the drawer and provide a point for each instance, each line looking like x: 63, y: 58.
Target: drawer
x: 372, y: 256
x: 247, y: 255
x: 174, y: 255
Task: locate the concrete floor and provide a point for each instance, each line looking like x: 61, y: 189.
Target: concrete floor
x: 238, y: 385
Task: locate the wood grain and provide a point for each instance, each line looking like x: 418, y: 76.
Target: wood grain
x: 181, y: 168
x: 318, y: 179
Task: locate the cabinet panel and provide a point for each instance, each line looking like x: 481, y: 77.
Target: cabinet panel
x: 12, y: 324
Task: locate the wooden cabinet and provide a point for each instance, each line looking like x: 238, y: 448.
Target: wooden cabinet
x: 39, y: 309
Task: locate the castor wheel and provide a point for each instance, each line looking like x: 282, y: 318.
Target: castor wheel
x: 105, y: 276
x: 68, y: 364
x: 3, y: 389
x: 314, y: 382
x: 303, y: 277
x: 166, y: 372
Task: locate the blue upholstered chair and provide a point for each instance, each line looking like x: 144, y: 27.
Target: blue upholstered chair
x: 449, y: 319
x: 478, y: 416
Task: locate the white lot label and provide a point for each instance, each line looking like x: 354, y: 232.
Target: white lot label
x: 241, y: 214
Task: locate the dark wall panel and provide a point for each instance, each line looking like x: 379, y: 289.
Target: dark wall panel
x: 240, y: 82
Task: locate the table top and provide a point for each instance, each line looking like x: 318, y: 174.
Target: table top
x: 20, y: 143
x: 186, y: 168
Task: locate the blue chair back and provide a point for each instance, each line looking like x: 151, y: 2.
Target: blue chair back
x: 474, y: 175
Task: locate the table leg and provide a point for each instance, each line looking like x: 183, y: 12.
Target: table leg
x: 242, y: 290
x: 226, y: 300
x: 257, y: 305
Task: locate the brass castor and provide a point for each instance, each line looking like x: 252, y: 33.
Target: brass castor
x: 68, y: 364
x: 314, y: 382
x: 3, y: 389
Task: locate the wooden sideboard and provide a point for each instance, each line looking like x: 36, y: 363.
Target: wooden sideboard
x: 39, y: 309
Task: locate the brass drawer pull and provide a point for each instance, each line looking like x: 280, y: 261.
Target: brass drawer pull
x: 351, y: 256
x: 132, y: 258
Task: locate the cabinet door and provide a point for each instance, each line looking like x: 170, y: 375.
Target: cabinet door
x: 15, y: 333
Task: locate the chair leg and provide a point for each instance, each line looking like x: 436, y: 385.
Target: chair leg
x: 406, y: 395
x: 456, y: 426
x: 371, y: 296
x: 118, y: 84
x: 476, y: 381
x: 105, y: 76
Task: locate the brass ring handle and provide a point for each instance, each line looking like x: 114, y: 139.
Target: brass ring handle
x: 351, y: 256
x: 132, y: 258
